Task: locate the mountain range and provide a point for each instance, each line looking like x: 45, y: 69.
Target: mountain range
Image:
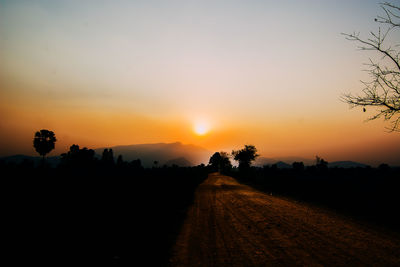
x: 346, y: 164
x: 261, y: 161
x: 164, y: 153
x: 178, y: 154
x: 285, y: 162
x: 19, y: 159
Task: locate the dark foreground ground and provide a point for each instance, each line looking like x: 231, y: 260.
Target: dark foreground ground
x: 94, y: 217
x: 231, y: 224
x: 129, y: 216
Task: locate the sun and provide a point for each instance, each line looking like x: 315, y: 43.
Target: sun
x: 201, y: 128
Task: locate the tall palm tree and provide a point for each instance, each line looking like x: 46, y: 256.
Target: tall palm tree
x: 44, y: 142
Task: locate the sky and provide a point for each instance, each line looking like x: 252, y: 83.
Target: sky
x: 269, y: 73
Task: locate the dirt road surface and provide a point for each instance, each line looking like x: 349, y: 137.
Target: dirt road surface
x: 231, y: 224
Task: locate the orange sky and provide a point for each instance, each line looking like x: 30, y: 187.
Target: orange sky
x: 337, y: 140
x: 128, y: 73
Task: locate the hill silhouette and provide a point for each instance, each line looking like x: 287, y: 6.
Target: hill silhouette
x: 261, y: 161
x: 285, y: 162
x: 20, y: 159
x: 163, y: 153
x: 183, y: 155
x: 346, y: 164
x: 181, y: 162
x: 283, y: 165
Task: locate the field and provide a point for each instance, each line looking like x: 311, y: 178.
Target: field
x: 103, y: 216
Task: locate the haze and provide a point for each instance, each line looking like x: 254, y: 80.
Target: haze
x: 268, y: 73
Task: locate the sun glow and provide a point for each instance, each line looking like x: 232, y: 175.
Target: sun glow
x: 201, y: 128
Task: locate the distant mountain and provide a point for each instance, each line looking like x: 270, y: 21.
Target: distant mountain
x: 346, y: 164
x: 163, y: 153
x: 289, y: 160
x: 178, y: 154
x: 261, y: 161
x: 18, y: 159
x: 283, y: 165
x: 181, y: 162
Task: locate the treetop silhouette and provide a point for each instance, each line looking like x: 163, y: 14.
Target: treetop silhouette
x: 219, y: 161
x: 245, y: 156
x: 44, y: 142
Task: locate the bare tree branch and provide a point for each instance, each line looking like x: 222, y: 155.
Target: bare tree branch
x: 383, y: 91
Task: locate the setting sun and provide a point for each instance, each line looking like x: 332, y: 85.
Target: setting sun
x: 201, y: 128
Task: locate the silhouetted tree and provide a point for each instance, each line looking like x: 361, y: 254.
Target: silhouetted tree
x: 220, y: 161
x: 320, y: 163
x: 44, y: 142
x: 215, y: 160
x: 78, y: 158
x: 245, y: 156
x: 225, y: 161
x: 298, y: 166
x: 120, y: 161
x: 383, y: 91
x: 383, y: 167
x: 107, y: 157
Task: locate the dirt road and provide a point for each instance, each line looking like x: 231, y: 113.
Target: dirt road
x: 231, y: 224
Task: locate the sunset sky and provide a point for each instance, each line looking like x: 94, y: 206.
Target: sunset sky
x: 269, y: 73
